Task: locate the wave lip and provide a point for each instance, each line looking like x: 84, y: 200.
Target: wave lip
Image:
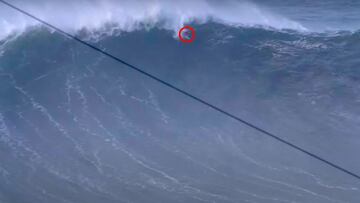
x: 130, y: 15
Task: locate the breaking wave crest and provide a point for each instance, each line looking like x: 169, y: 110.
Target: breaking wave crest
x: 126, y: 15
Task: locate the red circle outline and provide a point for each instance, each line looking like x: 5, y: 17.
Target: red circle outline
x: 193, y: 34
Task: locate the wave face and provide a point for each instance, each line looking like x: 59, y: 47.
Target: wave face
x: 76, y: 126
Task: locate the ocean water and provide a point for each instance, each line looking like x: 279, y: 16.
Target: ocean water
x: 76, y: 126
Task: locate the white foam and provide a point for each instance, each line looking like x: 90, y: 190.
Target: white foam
x: 129, y: 15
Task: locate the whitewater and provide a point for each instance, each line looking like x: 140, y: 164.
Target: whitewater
x: 126, y: 15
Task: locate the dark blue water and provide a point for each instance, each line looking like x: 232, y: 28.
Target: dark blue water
x: 76, y: 126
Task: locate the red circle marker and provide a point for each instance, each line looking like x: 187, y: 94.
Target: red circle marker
x: 193, y: 34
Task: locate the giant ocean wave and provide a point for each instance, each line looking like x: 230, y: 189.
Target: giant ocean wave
x: 76, y: 126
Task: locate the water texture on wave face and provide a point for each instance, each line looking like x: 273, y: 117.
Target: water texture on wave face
x: 76, y: 126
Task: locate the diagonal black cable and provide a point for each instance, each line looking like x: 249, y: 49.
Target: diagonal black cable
x: 183, y: 92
